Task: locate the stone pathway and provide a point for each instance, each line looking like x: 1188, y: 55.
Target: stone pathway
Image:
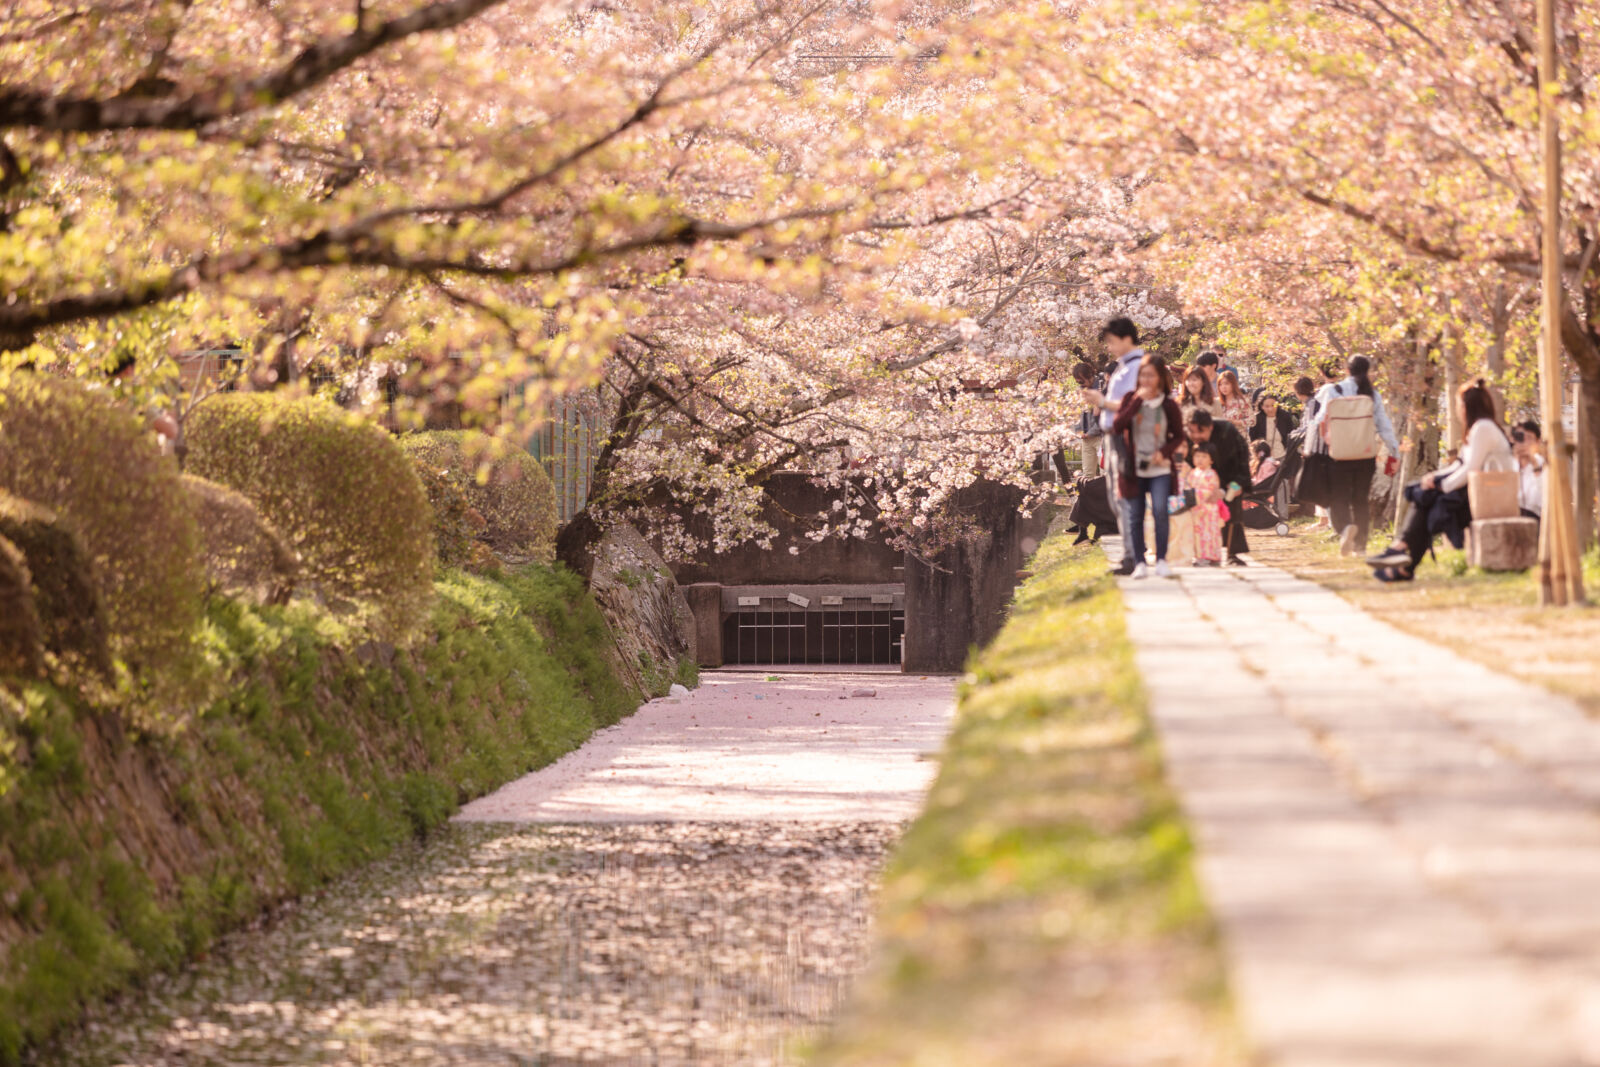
x: 693, y: 887
x: 1402, y: 846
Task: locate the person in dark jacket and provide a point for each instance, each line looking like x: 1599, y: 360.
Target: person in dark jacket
x: 1274, y: 428
x: 1232, y: 464
x: 1273, y: 425
x: 1150, y: 424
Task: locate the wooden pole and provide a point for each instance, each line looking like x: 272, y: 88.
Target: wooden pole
x: 1560, y: 574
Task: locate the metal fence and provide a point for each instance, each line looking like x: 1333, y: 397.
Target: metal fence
x: 806, y: 626
x: 566, y: 444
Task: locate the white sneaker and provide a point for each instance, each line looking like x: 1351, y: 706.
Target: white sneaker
x: 1142, y: 570
x: 1162, y: 570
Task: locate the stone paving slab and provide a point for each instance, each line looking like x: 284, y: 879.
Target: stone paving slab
x: 1401, y: 846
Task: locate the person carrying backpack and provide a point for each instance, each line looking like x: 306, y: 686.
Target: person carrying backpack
x: 1349, y: 421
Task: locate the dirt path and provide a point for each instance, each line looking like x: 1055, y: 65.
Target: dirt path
x: 1402, y: 846
x: 692, y: 887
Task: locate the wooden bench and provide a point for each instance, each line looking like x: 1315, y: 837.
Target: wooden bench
x: 1503, y: 544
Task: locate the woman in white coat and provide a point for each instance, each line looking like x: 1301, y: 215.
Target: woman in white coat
x: 1439, y: 503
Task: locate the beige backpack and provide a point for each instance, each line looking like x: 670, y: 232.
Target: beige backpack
x: 1349, y: 428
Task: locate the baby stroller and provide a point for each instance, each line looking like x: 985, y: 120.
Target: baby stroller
x: 1265, y: 507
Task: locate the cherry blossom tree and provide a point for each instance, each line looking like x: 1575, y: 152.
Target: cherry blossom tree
x: 1353, y: 173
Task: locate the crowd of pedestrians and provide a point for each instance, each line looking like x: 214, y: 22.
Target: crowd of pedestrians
x: 1152, y: 445
x: 1190, y: 440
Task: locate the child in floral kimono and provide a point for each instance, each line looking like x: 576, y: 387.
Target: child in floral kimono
x: 1209, y: 509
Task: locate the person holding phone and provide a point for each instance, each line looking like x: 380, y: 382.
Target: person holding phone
x: 1150, y: 426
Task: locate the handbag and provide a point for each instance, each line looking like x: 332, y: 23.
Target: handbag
x: 1179, y: 503
x: 1315, y: 482
x: 1493, y: 494
x: 1121, y: 451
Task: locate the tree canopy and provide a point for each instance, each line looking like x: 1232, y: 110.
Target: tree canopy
x: 866, y: 239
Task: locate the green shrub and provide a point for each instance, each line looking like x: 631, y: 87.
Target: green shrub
x: 337, y: 488
x: 243, y: 554
x: 512, y: 492
x: 455, y: 523
x: 313, y: 761
x: 21, y: 635
x: 72, y: 621
x: 73, y: 451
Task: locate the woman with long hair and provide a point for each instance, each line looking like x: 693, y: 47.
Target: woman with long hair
x: 1232, y: 403
x: 1274, y: 426
x: 1197, y: 394
x: 1350, y: 480
x: 1151, y: 425
x: 1440, y: 504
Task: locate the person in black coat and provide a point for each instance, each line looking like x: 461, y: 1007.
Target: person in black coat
x: 1272, y: 421
x: 1231, y: 460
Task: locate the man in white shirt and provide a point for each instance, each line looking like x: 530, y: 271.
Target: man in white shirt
x: 1121, y: 338
x: 1527, y: 446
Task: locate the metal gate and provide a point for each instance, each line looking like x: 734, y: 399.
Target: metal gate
x: 847, y: 625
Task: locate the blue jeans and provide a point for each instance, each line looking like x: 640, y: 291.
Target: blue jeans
x: 1159, y: 488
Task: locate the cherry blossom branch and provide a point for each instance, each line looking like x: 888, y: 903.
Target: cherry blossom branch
x: 358, y: 245
x: 311, y: 67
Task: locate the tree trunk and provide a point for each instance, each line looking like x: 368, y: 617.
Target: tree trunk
x: 1412, y: 397
x: 576, y: 542
x: 1499, y: 327
x: 1588, y: 457
x: 578, y: 538
x: 1582, y: 345
x: 16, y: 340
x: 1453, y: 365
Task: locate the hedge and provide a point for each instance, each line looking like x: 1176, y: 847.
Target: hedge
x: 74, y: 451
x: 71, y: 618
x: 512, y: 493
x: 244, y: 555
x: 455, y: 522
x: 21, y: 635
x: 338, y: 489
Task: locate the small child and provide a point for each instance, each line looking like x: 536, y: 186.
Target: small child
x: 1263, y: 466
x: 1208, y: 506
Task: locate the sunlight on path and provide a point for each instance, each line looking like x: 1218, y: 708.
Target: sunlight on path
x: 1402, y: 846
x: 692, y: 887
x: 743, y: 748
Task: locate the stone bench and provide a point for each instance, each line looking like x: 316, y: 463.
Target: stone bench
x: 1503, y: 544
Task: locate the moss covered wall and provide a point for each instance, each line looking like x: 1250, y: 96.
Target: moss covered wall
x: 122, y: 854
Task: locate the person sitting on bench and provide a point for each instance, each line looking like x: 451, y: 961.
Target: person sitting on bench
x: 1439, y: 501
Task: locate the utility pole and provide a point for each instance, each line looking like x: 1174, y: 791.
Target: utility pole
x: 1560, y: 573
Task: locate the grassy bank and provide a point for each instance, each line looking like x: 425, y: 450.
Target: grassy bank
x: 1043, y: 909
x: 1492, y: 618
x: 121, y: 854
